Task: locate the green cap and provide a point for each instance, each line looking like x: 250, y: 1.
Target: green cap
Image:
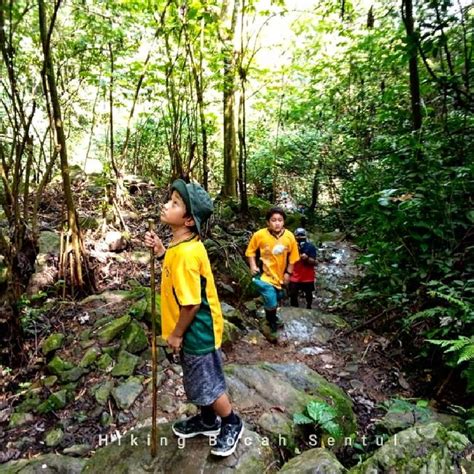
x: 197, y: 200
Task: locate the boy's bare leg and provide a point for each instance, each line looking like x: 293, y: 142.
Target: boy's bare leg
x: 222, y: 406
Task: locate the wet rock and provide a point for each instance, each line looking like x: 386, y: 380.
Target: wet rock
x: 111, y: 330
x: 125, y: 365
x: 134, y: 338
x: 304, y: 326
x: 427, y: 448
x: 314, y: 461
x: 312, y: 350
x: 133, y: 456
x: 47, y: 464
x: 126, y: 394
x: 54, y: 437
x: 52, y: 343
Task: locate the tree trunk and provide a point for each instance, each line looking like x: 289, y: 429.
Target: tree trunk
x: 230, y: 158
x: 412, y: 36
x: 315, y: 189
x: 74, y: 249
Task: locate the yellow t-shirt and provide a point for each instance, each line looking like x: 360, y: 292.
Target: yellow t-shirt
x: 187, y: 280
x: 274, y: 253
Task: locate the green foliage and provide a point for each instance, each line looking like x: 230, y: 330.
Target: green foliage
x: 322, y: 416
x: 462, y: 350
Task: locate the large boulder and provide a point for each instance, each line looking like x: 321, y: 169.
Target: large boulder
x: 283, y: 390
x: 427, y: 448
x: 132, y: 455
x: 314, y: 461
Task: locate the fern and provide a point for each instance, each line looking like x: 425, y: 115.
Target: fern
x: 467, y: 352
x: 453, y: 300
x: 464, y: 345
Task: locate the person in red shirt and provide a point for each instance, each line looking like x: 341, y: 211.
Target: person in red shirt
x: 302, y: 278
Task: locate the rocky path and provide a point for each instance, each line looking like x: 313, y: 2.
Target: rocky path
x: 314, y: 362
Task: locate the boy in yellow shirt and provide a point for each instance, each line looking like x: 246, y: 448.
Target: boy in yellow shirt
x: 278, y: 252
x: 191, y: 317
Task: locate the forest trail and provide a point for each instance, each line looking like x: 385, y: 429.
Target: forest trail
x: 94, y: 380
x: 358, y: 362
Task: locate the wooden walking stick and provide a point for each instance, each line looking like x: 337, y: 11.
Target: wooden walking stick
x: 154, y: 362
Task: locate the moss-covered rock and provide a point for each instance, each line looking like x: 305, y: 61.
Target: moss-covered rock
x: 54, y: 437
x: 316, y: 460
x: 48, y: 243
x: 114, y: 328
x: 290, y: 386
x: 251, y: 457
x: 125, y: 365
x: 240, y: 273
x: 52, y: 343
x: 20, y: 419
x: 105, y: 362
x: 72, y: 375
x: 57, y: 365
x: 258, y: 208
x: 427, y: 448
x: 90, y: 357
x: 102, y: 391
x: 134, y: 338
x: 138, y: 309
x: 46, y: 464
x: 403, y: 414
x: 231, y: 333
x: 55, y: 401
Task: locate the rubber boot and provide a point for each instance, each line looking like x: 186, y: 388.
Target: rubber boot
x: 271, y: 332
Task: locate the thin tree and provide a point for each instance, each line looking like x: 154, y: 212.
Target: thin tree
x: 74, y: 254
x: 412, y: 36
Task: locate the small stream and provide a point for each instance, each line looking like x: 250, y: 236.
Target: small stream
x: 335, y: 271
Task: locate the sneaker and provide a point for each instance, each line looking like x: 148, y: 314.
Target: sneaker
x: 194, y: 426
x: 228, y: 438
